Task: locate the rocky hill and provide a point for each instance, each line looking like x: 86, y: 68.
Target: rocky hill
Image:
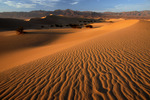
x: 132, y: 14
x: 71, y: 13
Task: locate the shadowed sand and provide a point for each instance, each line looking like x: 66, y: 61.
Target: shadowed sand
x: 111, y: 62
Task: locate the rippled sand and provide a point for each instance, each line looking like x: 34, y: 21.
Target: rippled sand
x: 111, y: 62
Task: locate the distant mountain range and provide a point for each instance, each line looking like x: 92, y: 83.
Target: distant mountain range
x: 81, y: 14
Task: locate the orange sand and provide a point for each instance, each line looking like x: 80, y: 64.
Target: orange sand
x: 110, y: 62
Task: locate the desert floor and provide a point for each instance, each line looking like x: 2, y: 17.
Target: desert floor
x: 110, y: 62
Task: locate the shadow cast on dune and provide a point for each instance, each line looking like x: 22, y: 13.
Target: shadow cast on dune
x: 27, y: 40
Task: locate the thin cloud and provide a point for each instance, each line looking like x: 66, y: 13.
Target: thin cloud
x: 128, y: 7
x: 74, y: 3
x: 19, y: 4
x: 49, y: 3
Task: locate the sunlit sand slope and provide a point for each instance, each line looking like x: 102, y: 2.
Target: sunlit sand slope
x: 111, y: 66
x: 17, y: 50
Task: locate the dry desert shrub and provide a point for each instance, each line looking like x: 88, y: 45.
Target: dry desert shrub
x: 19, y: 30
x: 75, y: 26
x: 111, y: 21
x: 89, y: 26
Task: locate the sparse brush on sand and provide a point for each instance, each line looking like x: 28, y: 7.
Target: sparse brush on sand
x: 20, y: 30
x: 111, y: 62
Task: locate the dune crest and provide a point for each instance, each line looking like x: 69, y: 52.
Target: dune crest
x: 111, y: 66
x: 19, y: 57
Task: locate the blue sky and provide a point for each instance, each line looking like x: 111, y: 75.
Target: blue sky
x: 82, y: 5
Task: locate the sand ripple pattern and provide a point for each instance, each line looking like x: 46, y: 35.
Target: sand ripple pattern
x: 114, y: 66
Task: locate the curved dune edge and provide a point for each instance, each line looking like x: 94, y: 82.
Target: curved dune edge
x: 111, y: 66
x: 20, y: 57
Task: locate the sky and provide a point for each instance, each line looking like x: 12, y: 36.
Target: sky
x: 80, y: 5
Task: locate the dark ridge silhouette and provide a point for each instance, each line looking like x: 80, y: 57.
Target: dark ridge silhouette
x: 9, y: 23
x: 83, y: 14
x: 61, y: 20
x: 44, y: 22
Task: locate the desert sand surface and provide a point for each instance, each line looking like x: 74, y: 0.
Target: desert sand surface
x: 111, y: 62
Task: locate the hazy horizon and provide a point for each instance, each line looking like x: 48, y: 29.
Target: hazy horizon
x: 80, y: 5
x: 76, y: 10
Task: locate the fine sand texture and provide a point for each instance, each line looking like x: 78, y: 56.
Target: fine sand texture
x: 107, y: 63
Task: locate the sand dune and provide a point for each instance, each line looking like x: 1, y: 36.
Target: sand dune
x: 110, y: 63
x: 17, y: 50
